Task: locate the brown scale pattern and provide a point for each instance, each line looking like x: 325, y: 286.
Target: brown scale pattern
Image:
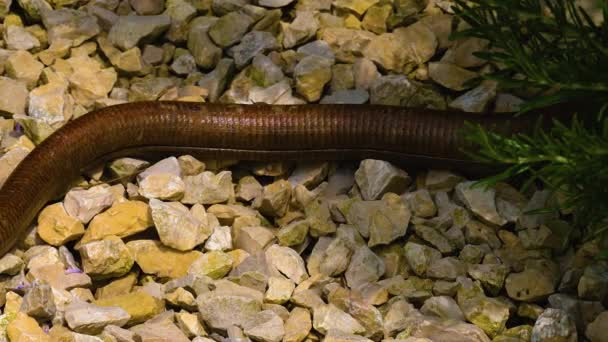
x: 406, y: 136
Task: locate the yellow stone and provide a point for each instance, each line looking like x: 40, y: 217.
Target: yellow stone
x: 352, y: 22
x: 60, y: 333
x: 140, y: 305
x: 154, y: 258
x: 238, y: 256
x: 25, y: 329
x: 214, y: 264
x: 191, y: 98
x: 22, y: 142
x: 122, y: 219
x: 117, y: 287
x: 56, y: 227
x: 13, y: 303
x: 357, y: 6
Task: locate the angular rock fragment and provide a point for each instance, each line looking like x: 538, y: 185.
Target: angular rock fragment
x: 376, y: 177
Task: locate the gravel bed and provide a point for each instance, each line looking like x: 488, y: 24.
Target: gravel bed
x: 191, y: 250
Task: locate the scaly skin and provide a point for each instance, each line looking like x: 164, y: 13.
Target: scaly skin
x: 418, y: 137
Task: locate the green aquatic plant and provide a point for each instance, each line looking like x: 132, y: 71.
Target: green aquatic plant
x: 558, y: 53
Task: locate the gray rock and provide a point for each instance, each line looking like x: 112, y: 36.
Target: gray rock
x: 274, y: 199
x: 34, y: 8
x: 183, y: 65
x: 336, y: 257
x: 365, y: 267
x: 507, y: 103
x: 230, y: 28
x: 279, y: 290
x: 220, y: 239
x: 13, y: 95
x: 178, y: 227
x: 39, y: 302
x: 540, y: 199
x: 308, y: 174
x: 434, y: 237
x: 441, y: 180
x: 264, y: 72
x: 529, y: 285
x: 476, y: 100
x: 419, y: 257
x: 10, y: 264
x: 462, y: 52
x: 418, y: 41
x: 448, y: 268
x: 274, y: 3
x: 492, y: 277
x: 554, y: 325
x: 253, y: 44
x: 85, y: 204
x: 265, y: 326
x: 298, y: 325
x: 328, y: 317
x: 120, y: 334
x: 149, y: 88
x: 23, y: 66
x: 91, y: 319
x: 301, y: 29
x: 387, y: 219
x: 489, y: 314
x: 65, y: 23
x: 583, y: 312
x: 365, y: 73
x: 376, y: 18
x: 288, y: 262
x: 294, y: 233
x: 347, y: 96
x: 106, y: 258
x: 180, y: 12
x: 216, y: 81
x: 232, y: 306
x: 432, y: 328
x: 450, y: 76
x: 342, y: 77
x: 105, y: 17
x: 208, y: 188
x: 444, y: 307
x: 480, y: 201
x: 421, y: 203
x: 214, y: 264
x: 312, y: 73
x: 239, y: 89
x: 205, y: 52
x: 377, y: 177
x: 392, y: 90
x: 477, y: 233
x: 569, y: 281
x: 270, y: 95
x: 248, y: 188
x: 4, y: 8
x: 222, y: 7
x: 132, y: 30
x: 317, y: 48
x: 336, y: 335
x: 148, y: 7
x: 51, y: 103
x: 160, y: 328
x: 593, y: 284
x: 18, y: 38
